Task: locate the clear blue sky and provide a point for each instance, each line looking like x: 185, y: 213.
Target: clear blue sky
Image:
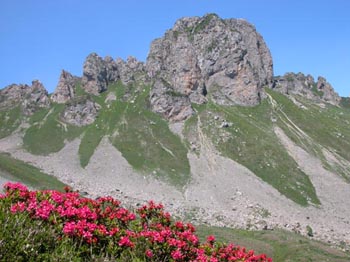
x: 38, y: 38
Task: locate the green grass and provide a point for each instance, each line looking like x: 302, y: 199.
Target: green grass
x: 143, y: 137
x: 91, y: 139
x: 326, y: 127
x: 16, y: 170
x: 79, y: 91
x: 316, y: 91
x: 145, y: 140
x: 9, y: 121
x: 281, y: 245
x: 252, y: 142
x: 204, y: 23
x: 345, y: 102
x: 47, y: 133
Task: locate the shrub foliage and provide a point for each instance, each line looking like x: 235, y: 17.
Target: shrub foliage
x: 54, y: 226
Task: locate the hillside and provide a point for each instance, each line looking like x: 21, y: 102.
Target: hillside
x: 203, y: 127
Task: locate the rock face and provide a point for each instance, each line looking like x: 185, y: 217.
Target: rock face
x: 225, y: 59
x: 111, y: 69
x: 98, y: 72
x: 327, y: 91
x: 65, y: 89
x: 94, y: 79
x: 305, y: 85
x: 29, y: 98
x: 80, y: 113
x: 131, y: 70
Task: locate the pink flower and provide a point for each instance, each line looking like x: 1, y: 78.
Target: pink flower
x: 15, y: 186
x: 44, y: 210
x: 69, y: 228
x: 104, y: 221
x: 176, y: 254
x: 125, y: 242
x: 113, y: 231
x: 211, y: 239
x: 149, y: 253
x: 179, y: 225
x: 18, y: 207
x: 67, y: 189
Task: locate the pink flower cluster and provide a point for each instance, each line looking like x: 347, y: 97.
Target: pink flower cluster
x: 150, y: 233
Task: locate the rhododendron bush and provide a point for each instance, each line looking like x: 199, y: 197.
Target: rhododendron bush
x: 38, y: 225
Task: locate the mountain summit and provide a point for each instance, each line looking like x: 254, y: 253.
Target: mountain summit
x: 225, y: 59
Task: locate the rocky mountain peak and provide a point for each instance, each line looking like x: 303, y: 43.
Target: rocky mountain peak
x: 65, y: 89
x: 305, y: 85
x: 327, y: 91
x: 94, y: 79
x: 225, y: 59
x: 29, y: 98
x: 131, y: 70
x: 98, y: 72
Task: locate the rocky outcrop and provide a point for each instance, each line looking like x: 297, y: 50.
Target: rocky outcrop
x: 37, y: 97
x: 111, y: 69
x: 65, y: 89
x: 131, y: 70
x: 94, y: 80
x: 164, y: 100
x: 327, y: 92
x: 305, y: 85
x: 225, y: 59
x: 80, y: 112
x: 98, y: 72
x: 29, y: 98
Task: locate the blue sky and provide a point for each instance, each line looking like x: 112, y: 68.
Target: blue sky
x: 39, y: 38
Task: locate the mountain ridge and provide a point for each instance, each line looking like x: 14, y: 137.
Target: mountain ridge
x: 205, y: 128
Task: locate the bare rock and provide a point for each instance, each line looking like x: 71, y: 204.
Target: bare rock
x: 80, y: 112
x: 29, y: 98
x: 200, y: 56
x: 11, y: 95
x: 131, y: 70
x: 175, y: 107
x: 98, y: 72
x: 65, y: 89
x: 94, y: 79
x: 297, y: 84
x: 112, y: 69
x: 327, y: 92
x: 305, y: 85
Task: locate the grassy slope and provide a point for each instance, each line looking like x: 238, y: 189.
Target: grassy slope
x: 281, y: 245
x: 9, y: 121
x: 328, y: 127
x: 146, y: 142
x: 16, y: 170
x: 251, y: 142
x: 47, y: 133
x: 143, y: 137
